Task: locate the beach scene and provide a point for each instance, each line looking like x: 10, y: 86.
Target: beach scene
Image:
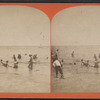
x: 24, y: 79
x: 24, y: 50
x: 77, y: 77
x: 76, y: 50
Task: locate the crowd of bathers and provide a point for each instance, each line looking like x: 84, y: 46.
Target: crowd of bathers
x: 57, y: 64
x: 19, y: 57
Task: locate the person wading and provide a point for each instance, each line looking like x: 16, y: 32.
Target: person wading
x: 15, y: 64
x: 96, y: 66
x: 30, y: 66
x: 14, y: 57
x: 57, y: 65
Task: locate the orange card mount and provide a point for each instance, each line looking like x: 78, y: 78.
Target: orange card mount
x: 50, y: 9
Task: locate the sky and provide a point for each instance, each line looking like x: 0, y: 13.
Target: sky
x: 23, y: 26
x: 78, y: 25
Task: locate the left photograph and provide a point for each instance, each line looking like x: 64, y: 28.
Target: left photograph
x: 24, y: 50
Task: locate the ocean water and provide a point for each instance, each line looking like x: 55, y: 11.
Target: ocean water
x: 80, y: 52
x: 6, y: 52
x: 23, y: 79
x: 77, y: 78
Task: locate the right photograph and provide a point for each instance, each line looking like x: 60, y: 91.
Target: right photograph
x: 75, y: 50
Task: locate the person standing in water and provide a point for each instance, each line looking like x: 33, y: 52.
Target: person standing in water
x: 95, y: 57
x: 72, y: 54
x: 19, y: 56
x: 87, y: 65
x: 96, y: 66
x: 15, y: 64
x: 35, y: 56
x: 56, y: 53
x: 57, y: 65
x: 52, y: 56
x: 30, y: 66
x: 14, y: 57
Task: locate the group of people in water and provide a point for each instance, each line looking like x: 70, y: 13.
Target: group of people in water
x: 96, y: 63
x: 19, y: 57
x: 58, y: 64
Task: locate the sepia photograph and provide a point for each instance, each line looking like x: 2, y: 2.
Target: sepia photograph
x: 75, y: 50
x: 24, y: 50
